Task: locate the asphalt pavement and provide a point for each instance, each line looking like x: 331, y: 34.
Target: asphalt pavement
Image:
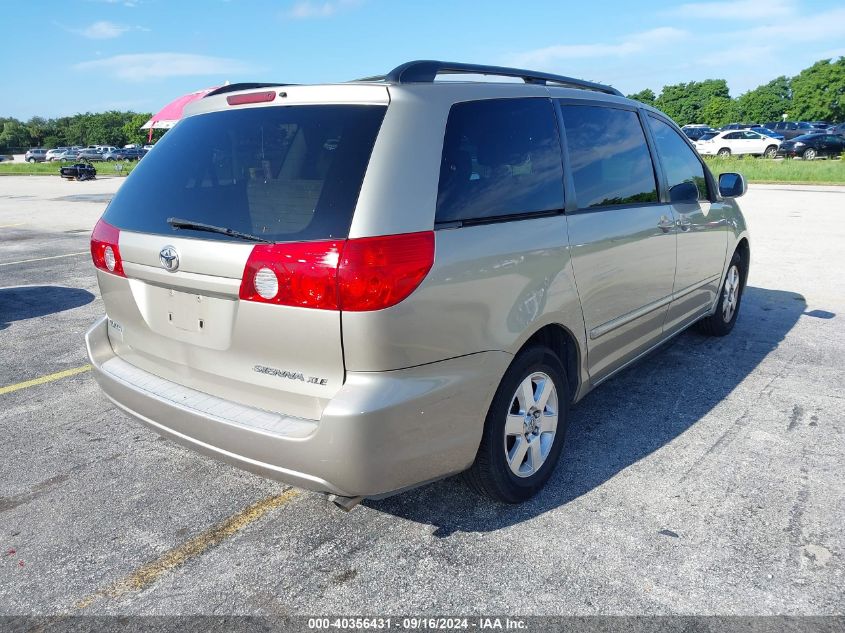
x: 709, y: 478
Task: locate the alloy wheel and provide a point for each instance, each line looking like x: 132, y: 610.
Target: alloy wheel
x: 730, y: 294
x: 531, y: 424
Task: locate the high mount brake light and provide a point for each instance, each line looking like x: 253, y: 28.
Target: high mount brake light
x: 251, y: 97
x: 361, y: 274
x: 104, y: 248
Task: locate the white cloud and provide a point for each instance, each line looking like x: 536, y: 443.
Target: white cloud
x: 737, y: 10
x: 103, y: 30
x: 146, y: 66
x: 306, y: 9
x: 634, y: 43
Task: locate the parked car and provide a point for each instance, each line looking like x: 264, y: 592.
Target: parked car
x: 132, y: 153
x: 78, y: 171
x: 791, y: 129
x: 767, y: 132
x: 114, y: 153
x: 820, y: 125
x: 837, y: 129
x: 293, y: 316
x: 52, y: 153
x: 64, y: 155
x: 695, y: 132
x: 35, y: 155
x: 811, y: 146
x: 736, y: 126
x: 738, y: 142
x: 92, y: 154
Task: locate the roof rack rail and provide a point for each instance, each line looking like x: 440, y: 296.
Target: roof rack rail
x: 425, y: 71
x: 242, y: 86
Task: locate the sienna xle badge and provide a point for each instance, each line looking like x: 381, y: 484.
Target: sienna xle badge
x: 361, y: 287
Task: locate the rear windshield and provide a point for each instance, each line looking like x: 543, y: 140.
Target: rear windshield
x: 282, y: 173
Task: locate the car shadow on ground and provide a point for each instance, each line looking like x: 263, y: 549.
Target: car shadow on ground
x: 27, y: 302
x: 624, y: 420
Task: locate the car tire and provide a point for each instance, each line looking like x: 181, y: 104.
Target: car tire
x: 809, y: 154
x: 722, y: 321
x: 724, y: 152
x: 771, y: 151
x: 30, y: 160
x: 522, y: 442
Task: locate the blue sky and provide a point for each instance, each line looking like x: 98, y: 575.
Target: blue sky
x: 68, y: 56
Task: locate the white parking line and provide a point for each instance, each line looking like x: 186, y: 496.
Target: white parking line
x: 40, y: 259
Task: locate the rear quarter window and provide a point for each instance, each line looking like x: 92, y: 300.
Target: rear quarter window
x: 501, y: 158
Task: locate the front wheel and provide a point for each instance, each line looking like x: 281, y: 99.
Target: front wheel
x: 722, y: 321
x: 770, y: 152
x: 809, y: 154
x: 524, y: 430
x: 30, y: 160
x: 724, y: 152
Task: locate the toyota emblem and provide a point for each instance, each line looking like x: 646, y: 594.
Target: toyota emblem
x: 169, y: 258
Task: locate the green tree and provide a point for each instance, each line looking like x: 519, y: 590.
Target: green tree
x: 818, y: 92
x: 684, y: 102
x: 646, y: 96
x: 36, y: 127
x: 132, y: 131
x: 14, y: 136
x: 719, y: 111
x: 765, y: 103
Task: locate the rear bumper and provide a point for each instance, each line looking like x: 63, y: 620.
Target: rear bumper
x: 382, y: 432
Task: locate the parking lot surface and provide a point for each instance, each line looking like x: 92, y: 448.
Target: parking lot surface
x: 707, y: 479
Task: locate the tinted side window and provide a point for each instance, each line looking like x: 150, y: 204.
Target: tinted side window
x: 679, y: 162
x: 501, y: 157
x: 609, y: 156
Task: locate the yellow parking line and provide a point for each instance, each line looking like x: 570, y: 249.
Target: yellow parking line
x: 45, y: 379
x: 41, y: 259
x: 147, y: 574
x: 6, y: 226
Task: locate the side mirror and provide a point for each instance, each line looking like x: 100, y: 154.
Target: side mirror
x: 685, y: 192
x: 732, y: 185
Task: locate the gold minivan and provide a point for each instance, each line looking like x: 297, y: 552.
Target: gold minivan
x: 362, y: 287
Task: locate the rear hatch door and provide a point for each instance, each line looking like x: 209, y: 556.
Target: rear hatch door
x: 274, y: 174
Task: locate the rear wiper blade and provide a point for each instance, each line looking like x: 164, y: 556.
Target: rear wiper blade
x: 179, y: 223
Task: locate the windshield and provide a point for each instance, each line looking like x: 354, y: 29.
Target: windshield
x: 280, y: 173
x: 707, y: 136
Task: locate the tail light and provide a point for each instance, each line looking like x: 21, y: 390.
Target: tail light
x: 362, y: 274
x: 104, y: 248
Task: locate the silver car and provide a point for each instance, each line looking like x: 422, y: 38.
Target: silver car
x: 359, y: 288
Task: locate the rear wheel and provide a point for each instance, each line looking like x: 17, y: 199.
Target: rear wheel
x: 809, y: 154
x: 30, y: 160
x: 724, y: 152
x: 770, y: 152
x: 524, y: 430
x: 722, y: 321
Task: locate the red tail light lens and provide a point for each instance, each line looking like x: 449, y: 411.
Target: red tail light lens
x: 305, y: 274
x: 362, y: 274
x: 104, y: 248
x: 379, y: 272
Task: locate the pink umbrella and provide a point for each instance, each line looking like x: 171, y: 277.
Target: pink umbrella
x: 170, y: 114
